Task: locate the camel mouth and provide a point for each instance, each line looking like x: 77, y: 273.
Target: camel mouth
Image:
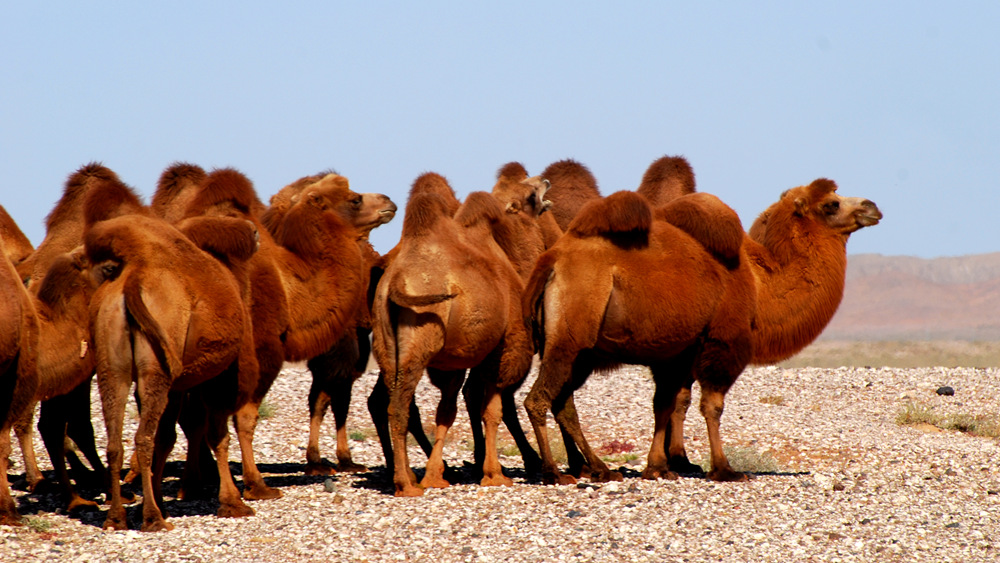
x: 869, y: 214
x: 386, y: 215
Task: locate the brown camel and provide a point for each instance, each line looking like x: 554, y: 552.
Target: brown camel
x: 171, y: 316
x: 448, y: 302
x: 65, y: 361
x: 18, y: 375
x: 666, y: 179
x: 622, y: 286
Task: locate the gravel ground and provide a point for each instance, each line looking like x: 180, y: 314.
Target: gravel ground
x: 837, y: 479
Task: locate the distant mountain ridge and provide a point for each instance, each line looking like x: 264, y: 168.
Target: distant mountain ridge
x: 909, y: 298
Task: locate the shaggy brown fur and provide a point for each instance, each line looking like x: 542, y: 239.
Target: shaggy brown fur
x: 64, y: 225
x: 666, y: 302
x: 449, y: 301
x: 18, y: 246
x: 573, y: 185
x: 171, y: 316
x: 667, y: 178
x: 18, y: 375
x: 177, y: 185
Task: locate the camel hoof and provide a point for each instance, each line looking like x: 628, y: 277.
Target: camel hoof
x: 497, y: 481
x: 261, y: 492
x: 605, y: 476
x: 115, y: 523
x: 10, y: 519
x: 320, y: 469
x: 409, y: 491
x: 130, y: 476
x: 434, y: 483
x: 727, y: 476
x: 79, y: 502
x: 235, y: 511
x: 159, y: 525
x: 681, y: 464
x: 654, y: 473
x: 351, y: 467
x: 558, y: 479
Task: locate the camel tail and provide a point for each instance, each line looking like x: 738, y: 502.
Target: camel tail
x: 404, y: 300
x: 531, y: 301
x: 149, y: 327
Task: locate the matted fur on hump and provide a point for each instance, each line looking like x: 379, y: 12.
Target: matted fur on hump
x: 78, y: 185
x: 483, y: 207
x: 620, y: 214
x: 423, y: 211
x: 514, y: 171
x: 110, y: 198
x: 709, y: 221
x: 434, y: 183
x: 226, y: 187
x: 666, y: 179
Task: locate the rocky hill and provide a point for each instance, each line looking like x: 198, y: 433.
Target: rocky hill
x: 907, y: 298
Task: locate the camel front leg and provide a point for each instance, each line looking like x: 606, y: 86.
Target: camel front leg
x: 230, y: 503
x: 566, y: 415
x: 712, y: 404
x: 319, y: 401
x: 245, y: 421
x: 341, y: 393
x: 8, y: 508
x: 25, y: 438
x: 664, y: 403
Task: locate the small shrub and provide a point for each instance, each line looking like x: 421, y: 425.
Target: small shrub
x: 916, y: 413
x: 746, y: 459
x: 509, y: 450
x: 356, y: 435
x: 920, y: 413
x: 266, y: 410
x: 39, y: 525
x: 776, y: 400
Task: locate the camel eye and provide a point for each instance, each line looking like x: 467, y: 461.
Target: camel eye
x: 831, y: 207
x: 356, y: 202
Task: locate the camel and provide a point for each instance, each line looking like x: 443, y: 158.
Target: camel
x: 170, y: 315
x: 666, y: 179
x: 18, y: 375
x: 307, y: 281
x: 65, y: 361
x: 448, y: 302
x: 624, y: 286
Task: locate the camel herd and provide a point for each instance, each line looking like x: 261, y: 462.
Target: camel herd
x: 201, y: 296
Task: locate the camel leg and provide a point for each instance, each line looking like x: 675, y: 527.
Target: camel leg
x: 378, y: 408
x: 164, y: 440
x: 80, y: 429
x: 8, y: 508
x: 217, y: 437
x: 529, y: 457
x: 114, y: 394
x: 664, y: 403
x: 25, y: 438
x: 199, y: 476
x: 712, y: 403
x: 570, y: 421
x: 677, y: 456
x: 554, y: 374
x: 319, y: 401
x: 153, y: 389
x: 401, y: 394
x: 473, y: 392
x: 341, y: 392
x: 52, y: 425
x: 254, y: 487
x: 491, y: 414
x: 450, y: 384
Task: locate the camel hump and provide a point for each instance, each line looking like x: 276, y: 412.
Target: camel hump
x: 620, y: 214
x: 149, y: 327
x: 423, y: 211
x: 231, y: 238
x: 110, y: 198
x: 709, y: 221
x: 512, y: 171
x: 666, y: 179
x: 226, y: 186
x: 434, y: 183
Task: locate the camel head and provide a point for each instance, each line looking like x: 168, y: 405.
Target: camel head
x: 363, y: 211
x: 820, y: 204
x: 527, y: 195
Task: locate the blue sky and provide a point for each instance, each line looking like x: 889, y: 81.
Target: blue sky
x: 897, y: 102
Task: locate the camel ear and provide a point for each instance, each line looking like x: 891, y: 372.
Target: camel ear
x: 341, y: 182
x: 316, y: 200
x: 801, y: 205
x: 513, y: 207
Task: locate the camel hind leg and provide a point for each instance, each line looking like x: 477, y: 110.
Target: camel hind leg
x: 450, y: 384
x: 554, y: 381
x: 231, y: 505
